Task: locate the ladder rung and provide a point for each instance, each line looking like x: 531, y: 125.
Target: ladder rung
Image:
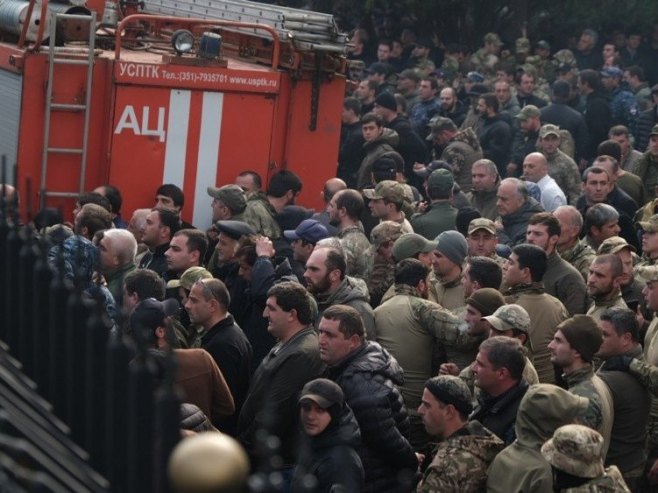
x: 65, y: 106
x: 70, y: 61
x: 65, y: 150
x: 60, y: 194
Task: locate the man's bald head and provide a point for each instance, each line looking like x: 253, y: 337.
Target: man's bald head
x: 331, y: 186
x: 535, y: 167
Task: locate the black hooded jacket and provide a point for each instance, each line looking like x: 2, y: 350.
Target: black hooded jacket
x: 331, y: 458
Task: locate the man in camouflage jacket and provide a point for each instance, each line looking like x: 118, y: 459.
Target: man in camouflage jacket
x: 466, y: 449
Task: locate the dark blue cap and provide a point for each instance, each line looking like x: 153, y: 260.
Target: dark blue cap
x: 310, y: 230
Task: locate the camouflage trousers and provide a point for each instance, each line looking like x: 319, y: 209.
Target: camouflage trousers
x: 651, y: 449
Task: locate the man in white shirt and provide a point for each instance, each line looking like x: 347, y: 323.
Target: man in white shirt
x: 535, y: 169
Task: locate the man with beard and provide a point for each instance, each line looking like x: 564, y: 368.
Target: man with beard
x: 495, y: 135
x: 345, y: 208
x: 561, y: 279
x: 326, y: 280
x: 451, y: 106
x: 573, y: 347
x: 603, y: 284
x: 631, y: 286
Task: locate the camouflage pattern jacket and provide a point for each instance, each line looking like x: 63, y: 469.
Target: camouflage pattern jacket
x: 356, y: 247
x: 611, y: 482
x: 564, y: 171
x: 259, y: 214
x: 461, y: 152
x: 580, y: 256
x: 461, y: 461
x: 647, y: 169
x: 599, y: 413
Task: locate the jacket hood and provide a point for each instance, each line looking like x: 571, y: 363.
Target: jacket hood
x: 388, y: 136
x: 76, y: 257
x: 351, y: 289
x: 479, y: 441
x: 523, y: 214
x: 374, y: 359
x: 343, y: 430
x: 543, y: 409
x: 467, y: 136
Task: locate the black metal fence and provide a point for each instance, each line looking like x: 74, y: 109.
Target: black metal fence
x: 79, y: 409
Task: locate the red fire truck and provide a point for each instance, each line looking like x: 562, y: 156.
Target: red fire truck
x: 188, y: 92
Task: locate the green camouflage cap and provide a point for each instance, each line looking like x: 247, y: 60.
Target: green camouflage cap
x: 232, y: 196
x: 650, y: 226
x: 385, y: 231
x: 565, y: 57
x: 522, y: 45
x: 509, y: 317
x: 614, y: 244
x: 482, y: 223
x: 576, y: 450
x: 440, y: 181
x: 527, y: 112
x: 439, y: 123
x: 189, y: 277
x: 654, y: 130
x: 549, y: 129
x: 411, y: 244
x: 647, y: 272
x: 389, y: 190
x: 451, y: 390
x: 492, y: 38
x: 409, y: 73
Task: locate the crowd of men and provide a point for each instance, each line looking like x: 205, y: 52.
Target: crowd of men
x: 484, y: 275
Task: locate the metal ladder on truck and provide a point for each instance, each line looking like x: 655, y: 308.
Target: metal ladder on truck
x: 63, y: 56
x: 308, y: 31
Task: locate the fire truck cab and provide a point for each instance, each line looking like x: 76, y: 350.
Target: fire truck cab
x: 141, y: 94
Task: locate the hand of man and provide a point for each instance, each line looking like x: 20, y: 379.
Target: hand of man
x: 449, y: 369
x: 264, y: 247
